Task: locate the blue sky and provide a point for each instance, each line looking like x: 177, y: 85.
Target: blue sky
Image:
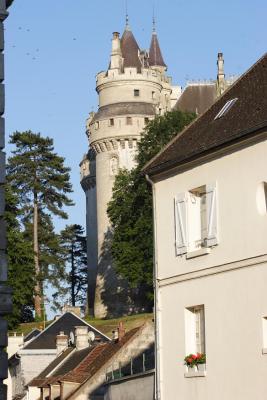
x: 54, y: 49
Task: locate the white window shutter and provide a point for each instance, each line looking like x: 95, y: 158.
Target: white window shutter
x: 180, y: 224
x: 212, y: 225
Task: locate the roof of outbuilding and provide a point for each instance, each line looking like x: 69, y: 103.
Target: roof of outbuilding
x: 247, y: 116
x: 41, y: 378
x: 119, y: 109
x: 130, y: 50
x: 197, y: 98
x: 81, y: 365
x: 155, y: 56
x: 66, y: 323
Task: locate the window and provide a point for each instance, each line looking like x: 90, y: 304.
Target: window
x: 146, y: 120
x: 97, y: 125
x: 111, y: 122
x: 196, y: 219
x: 136, y: 92
x: 153, y: 95
x: 129, y: 121
x: 195, y: 330
x: 225, y: 108
x: 261, y: 198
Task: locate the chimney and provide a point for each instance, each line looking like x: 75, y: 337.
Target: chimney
x: 116, y: 57
x: 220, y: 75
x: 61, y: 342
x: 81, y: 337
x: 121, y: 331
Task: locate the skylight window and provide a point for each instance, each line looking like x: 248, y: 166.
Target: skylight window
x: 225, y: 108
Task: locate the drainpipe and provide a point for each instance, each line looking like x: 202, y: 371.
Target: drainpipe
x: 156, y: 297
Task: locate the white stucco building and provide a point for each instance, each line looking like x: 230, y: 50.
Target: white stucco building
x: 210, y: 216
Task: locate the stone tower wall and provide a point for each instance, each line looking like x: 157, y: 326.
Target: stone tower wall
x: 128, y: 99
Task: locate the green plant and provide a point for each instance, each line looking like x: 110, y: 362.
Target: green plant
x: 194, y: 359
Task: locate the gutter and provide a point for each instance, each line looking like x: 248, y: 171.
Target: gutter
x: 156, y: 297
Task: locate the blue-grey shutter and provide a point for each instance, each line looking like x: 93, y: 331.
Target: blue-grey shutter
x: 180, y: 212
x: 211, y: 209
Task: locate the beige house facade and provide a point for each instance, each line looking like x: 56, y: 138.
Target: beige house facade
x: 210, y: 217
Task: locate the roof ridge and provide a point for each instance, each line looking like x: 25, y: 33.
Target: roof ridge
x: 175, y: 138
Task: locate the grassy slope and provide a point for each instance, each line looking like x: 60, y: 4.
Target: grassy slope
x: 103, y: 325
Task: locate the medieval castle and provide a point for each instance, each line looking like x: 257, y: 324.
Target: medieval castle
x: 133, y: 90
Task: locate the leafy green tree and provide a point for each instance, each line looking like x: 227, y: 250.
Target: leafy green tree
x: 130, y: 209
x: 41, y: 180
x: 75, y: 255
x: 20, y: 264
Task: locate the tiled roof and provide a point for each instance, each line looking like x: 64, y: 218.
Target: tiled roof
x: 197, y: 98
x: 43, y: 375
x: 97, y: 359
x: 66, y: 323
x: 130, y: 50
x: 71, y: 362
x: 118, y: 109
x: 247, y: 116
x: 155, y: 56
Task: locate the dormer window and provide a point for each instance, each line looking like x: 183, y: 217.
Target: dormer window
x: 229, y: 104
x: 136, y: 92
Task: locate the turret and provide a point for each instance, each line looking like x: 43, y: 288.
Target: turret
x: 155, y: 56
x: 116, y: 57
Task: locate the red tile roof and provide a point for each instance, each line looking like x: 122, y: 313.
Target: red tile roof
x: 97, y: 359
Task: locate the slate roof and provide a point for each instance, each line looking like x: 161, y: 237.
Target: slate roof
x: 155, y: 56
x: 119, y: 109
x: 247, y: 116
x: 197, y: 98
x: 31, y: 335
x: 130, y: 50
x: 66, y: 323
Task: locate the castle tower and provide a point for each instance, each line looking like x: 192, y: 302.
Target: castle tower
x: 131, y: 92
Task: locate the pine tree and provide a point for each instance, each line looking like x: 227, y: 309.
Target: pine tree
x: 130, y: 209
x: 20, y: 264
x: 74, y: 244
x: 41, y: 180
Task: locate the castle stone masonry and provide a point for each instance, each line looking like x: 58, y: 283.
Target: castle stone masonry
x: 131, y: 92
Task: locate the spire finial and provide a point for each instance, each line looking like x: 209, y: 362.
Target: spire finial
x: 127, y: 15
x: 154, y: 19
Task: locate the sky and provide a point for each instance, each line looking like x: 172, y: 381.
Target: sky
x: 54, y: 49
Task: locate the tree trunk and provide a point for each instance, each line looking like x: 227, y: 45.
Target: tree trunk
x: 37, y: 289
x: 72, y: 276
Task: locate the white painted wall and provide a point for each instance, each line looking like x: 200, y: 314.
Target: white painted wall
x: 230, y: 282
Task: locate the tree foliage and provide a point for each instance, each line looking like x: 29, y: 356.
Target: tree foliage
x: 20, y: 264
x: 75, y: 256
x: 130, y: 209
x: 41, y: 181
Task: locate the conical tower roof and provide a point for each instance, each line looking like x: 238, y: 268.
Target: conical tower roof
x: 130, y: 49
x: 155, y: 56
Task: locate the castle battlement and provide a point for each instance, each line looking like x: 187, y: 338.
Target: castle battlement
x: 146, y: 74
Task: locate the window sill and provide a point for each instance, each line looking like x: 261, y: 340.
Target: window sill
x: 197, y: 253
x: 196, y: 373
x: 264, y: 351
